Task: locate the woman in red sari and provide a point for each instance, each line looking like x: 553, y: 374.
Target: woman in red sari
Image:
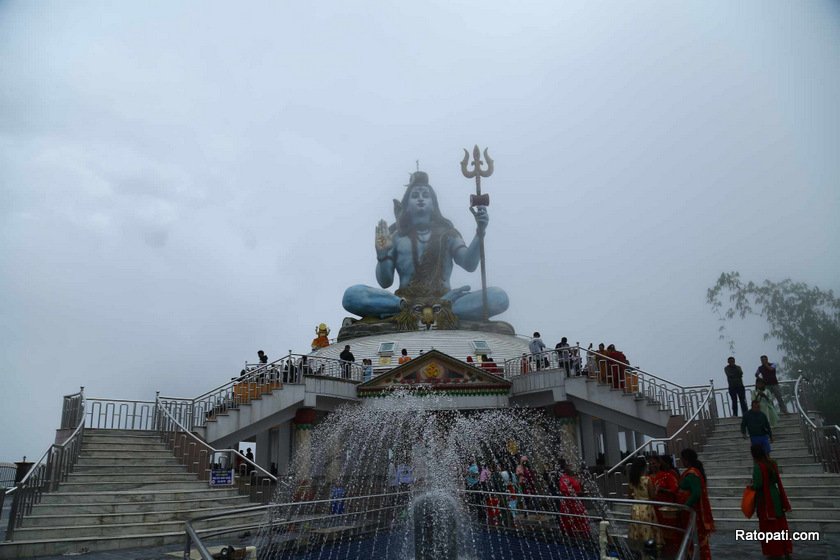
x: 569, y: 487
x: 695, y: 494
x: 771, y: 503
x: 665, y: 479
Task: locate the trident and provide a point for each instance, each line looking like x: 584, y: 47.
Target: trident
x: 479, y: 199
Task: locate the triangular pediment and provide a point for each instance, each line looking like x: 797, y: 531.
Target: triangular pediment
x: 438, y: 372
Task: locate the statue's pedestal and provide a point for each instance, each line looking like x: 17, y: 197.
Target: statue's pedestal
x: 357, y: 328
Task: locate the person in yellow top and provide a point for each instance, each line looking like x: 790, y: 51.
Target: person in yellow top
x: 404, y: 357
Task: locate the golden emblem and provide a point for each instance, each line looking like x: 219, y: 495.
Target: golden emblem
x: 432, y: 371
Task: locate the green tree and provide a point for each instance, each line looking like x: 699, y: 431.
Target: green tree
x: 803, y: 320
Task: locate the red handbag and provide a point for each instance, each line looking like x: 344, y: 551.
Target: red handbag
x: 748, y: 502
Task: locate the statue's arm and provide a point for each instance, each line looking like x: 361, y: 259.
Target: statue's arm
x: 468, y: 257
x: 385, y: 255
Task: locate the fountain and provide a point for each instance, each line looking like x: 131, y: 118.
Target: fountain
x: 386, y: 479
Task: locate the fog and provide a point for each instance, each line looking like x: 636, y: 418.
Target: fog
x: 183, y: 184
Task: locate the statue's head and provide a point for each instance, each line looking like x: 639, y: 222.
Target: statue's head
x: 419, y: 206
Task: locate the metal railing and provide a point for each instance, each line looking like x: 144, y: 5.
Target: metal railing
x: 823, y: 441
x: 54, y: 466
x: 724, y: 400
x: 693, y: 433
x: 200, y: 458
x: 365, y: 515
x: 263, y: 379
x: 119, y: 414
x: 612, y: 372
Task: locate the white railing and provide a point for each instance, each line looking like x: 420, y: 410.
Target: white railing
x: 823, y: 441
x: 199, y: 457
x: 54, y: 466
x: 262, y: 379
x: 119, y: 414
x: 304, y: 521
x: 609, y: 371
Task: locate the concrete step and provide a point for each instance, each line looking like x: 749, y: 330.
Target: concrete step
x: 94, y: 432
x: 72, y: 546
x: 135, y: 496
x: 744, y: 443
x: 137, y: 518
x: 784, y: 420
x: 824, y: 514
x: 780, y: 455
x: 120, y: 507
x: 157, y: 459
x: 136, y: 470
x: 736, y: 488
x: 820, y: 525
x: 821, y: 479
x: 130, y: 445
x: 115, y: 530
x: 123, y: 454
x: 73, y: 487
x: 785, y: 432
x: 173, y: 474
x: 799, y: 502
x: 745, y: 469
x: 97, y: 435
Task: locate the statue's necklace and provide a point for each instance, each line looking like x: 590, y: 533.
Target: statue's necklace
x: 423, y: 236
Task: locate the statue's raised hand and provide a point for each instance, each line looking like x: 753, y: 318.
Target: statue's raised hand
x: 383, y: 241
x: 482, y: 218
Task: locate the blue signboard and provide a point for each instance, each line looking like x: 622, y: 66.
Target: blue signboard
x: 221, y: 477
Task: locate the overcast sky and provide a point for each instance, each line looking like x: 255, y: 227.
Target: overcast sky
x: 186, y: 183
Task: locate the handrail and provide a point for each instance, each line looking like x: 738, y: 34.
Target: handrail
x: 823, y: 441
x: 609, y: 371
x: 119, y: 414
x: 53, y: 467
x: 651, y: 442
x: 725, y: 404
x: 161, y: 423
x: 265, y: 379
x: 193, y: 537
x: 581, y: 349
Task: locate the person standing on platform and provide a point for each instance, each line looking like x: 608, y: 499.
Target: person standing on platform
x: 537, y: 347
x: 563, y: 356
x: 767, y: 372
x: 735, y: 379
x: 346, y: 358
x: 262, y: 356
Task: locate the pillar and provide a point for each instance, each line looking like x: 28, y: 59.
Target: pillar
x: 640, y: 438
x: 588, y: 442
x: 304, y: 419
x: 283, y: 454
x: 262, y: 454
x: 630, y: 440
x: 612, y: 451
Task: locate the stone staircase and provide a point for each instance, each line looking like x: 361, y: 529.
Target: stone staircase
x: 127, y: 490
x: 814, y: 495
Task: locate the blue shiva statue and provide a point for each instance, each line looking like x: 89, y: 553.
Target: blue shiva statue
x: 421, y: 247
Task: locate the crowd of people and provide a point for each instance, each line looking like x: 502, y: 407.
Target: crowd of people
x: 512, y: 487
x: 757, y: 423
